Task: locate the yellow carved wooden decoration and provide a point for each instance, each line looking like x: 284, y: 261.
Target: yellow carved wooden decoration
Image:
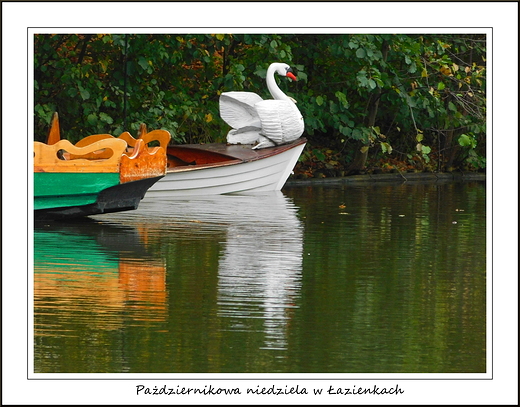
x: 142, y: 162
x: 132, y: 158
x: 54, y: 132
x: 52, y: 158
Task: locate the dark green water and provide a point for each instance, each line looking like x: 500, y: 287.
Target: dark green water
x: 351, y: 279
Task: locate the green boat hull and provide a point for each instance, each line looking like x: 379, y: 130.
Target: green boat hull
x: 72, y: 195
x: 59, y: 190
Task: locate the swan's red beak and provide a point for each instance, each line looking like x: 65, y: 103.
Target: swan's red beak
x: 291, y: 75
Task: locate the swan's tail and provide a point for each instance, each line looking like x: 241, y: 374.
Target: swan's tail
x: 249, y: 136
x: 263, y: 142
x: 245, y: 135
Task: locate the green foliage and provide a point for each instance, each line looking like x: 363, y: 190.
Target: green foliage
x: 375, y: 89
x: 472, y: 158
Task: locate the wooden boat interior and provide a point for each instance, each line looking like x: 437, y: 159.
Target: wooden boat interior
x: 180, y: 156
x: 217, y: 154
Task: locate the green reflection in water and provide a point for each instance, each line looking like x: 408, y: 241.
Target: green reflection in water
x: 395, y: 279
x: 349, y: 279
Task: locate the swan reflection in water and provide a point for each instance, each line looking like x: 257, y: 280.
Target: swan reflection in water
x: 260, y: 268
x: 260, y: 265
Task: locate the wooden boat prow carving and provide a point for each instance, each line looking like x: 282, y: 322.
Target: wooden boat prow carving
x: 143, y: 162
x: 96, y: 175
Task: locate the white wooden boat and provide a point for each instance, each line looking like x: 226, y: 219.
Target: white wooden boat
x: 213, y: 169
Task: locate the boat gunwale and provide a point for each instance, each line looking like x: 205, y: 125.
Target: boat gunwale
x: 237, y: 153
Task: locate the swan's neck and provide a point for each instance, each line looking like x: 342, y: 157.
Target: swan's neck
x: 275, y: 91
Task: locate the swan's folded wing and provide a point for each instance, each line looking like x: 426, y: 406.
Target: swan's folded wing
x: 281, y: 120
x: 238, y: 109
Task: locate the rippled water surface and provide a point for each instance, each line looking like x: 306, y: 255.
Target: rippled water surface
x: 346, y: 279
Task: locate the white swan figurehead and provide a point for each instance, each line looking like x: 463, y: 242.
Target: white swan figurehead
x: 264, y: 123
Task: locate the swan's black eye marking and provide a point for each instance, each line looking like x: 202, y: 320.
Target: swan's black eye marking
x: 288, y: 69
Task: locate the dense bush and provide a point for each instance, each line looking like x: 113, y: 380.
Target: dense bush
x: 417, y: 101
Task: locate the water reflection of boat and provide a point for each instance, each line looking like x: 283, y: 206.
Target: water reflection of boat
x: 100, y: 277
x: 259, y: 267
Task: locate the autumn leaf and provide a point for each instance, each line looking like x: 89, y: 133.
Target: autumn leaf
x: 445, y: 71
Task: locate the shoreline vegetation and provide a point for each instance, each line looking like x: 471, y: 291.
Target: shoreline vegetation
x: 371, y: 103
x: 396, y: 177
x: 310, y: 170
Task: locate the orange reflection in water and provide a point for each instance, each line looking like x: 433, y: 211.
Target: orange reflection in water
x: 104, y: 296
x: 144, y: 288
